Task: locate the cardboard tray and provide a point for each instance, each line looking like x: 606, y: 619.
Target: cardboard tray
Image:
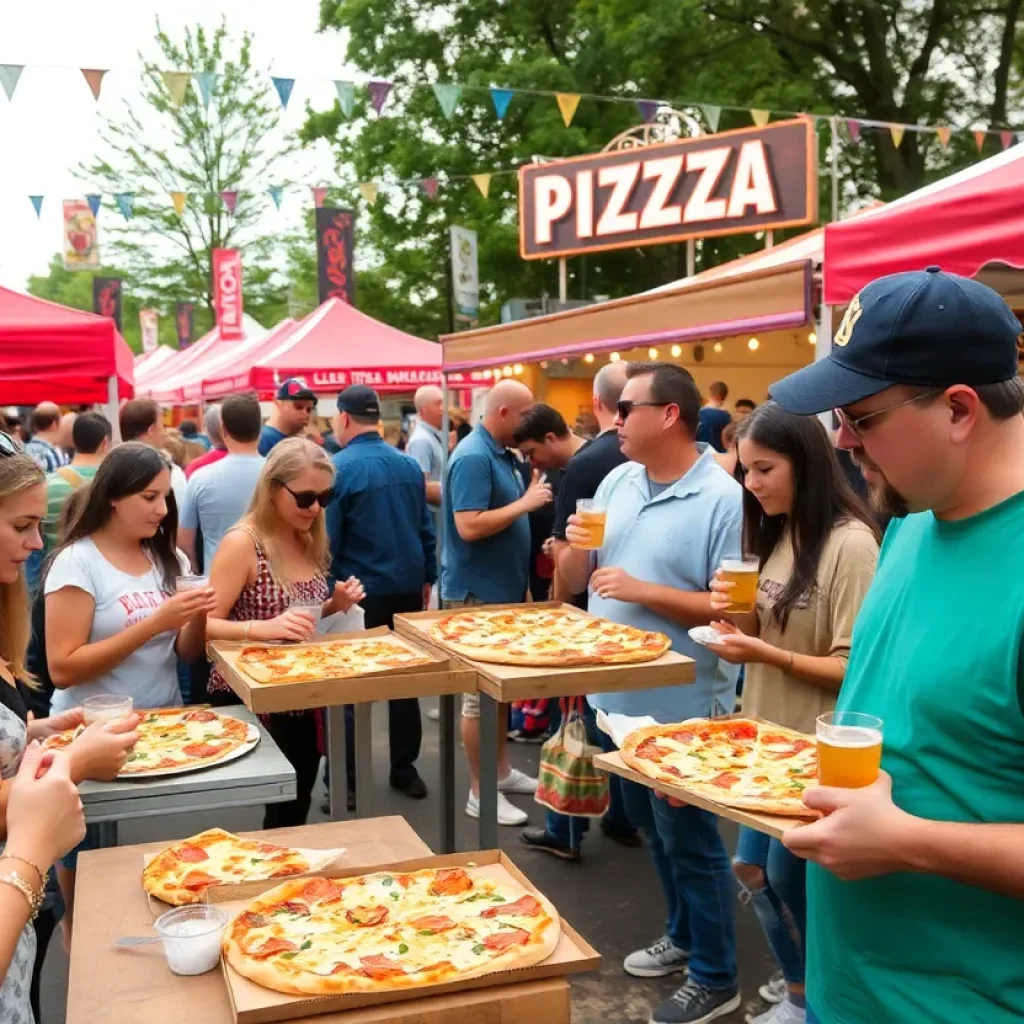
x: 508, y: 683
x: 438, y: 677
x: 253, y: 1004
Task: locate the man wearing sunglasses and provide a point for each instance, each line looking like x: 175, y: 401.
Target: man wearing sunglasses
x: 294, y: 404
x: 914, y: 900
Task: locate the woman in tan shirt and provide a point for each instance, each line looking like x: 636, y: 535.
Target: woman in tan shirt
x: 817, y: 546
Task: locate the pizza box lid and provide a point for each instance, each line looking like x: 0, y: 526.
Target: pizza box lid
x: 437, y: 676
x: 507, y: 683
x: 253, y: 1004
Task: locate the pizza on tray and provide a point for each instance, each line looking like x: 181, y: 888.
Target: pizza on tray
x: 187, y: 869
x: 552, y: 637
x: 306, y: 663
x: 381, y: 932
x: 738, y: 762
x: 176, y: 739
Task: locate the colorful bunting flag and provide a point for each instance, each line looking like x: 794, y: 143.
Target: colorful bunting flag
x: 177, y: 85
x: 448, y: 96
x: 647, y: 109
x: 9, y: 75
x: 94, y: 199
x: 1006, y: 138
x: 853, y: 127
x: 944, y: 133
x: 284, y: 88
x: 1020, y: 136
x: 979, y: 140
x: 379, y: 95
x: 319, y: 195
x: 501, y: 98
x: 369, y: 190
x: 482, y: 182
x: 567, y: 104
x: 276, y: 192
x: 94, y: 76
x: 229, y: 197
x: 760, y: 117
x: 896, y: 131
x: 37, y: 202
x: 346, y: 96
x: 429, y: 186
x: 125, y: 203
x: 207, y: 82
x: 179, y: 198
x: 712, y: 115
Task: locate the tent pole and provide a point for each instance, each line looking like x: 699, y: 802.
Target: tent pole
x: 111, y: 410
x: 563, y: 281
x: 834, y: 127
x: 447, y: 702
x: 822, y: 347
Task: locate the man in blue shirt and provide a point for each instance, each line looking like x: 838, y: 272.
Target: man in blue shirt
x: 672, y: 515
x: 714, y: 418
x: 294, y: 405
x: 381, y: 532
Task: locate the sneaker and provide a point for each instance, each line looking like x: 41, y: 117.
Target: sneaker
x: 774, y: 989
x: 508, y: 813
x: 517, y: 782
x: 434, y: 714
x: 409, y: 783
x: 630, y: 839
x: 783, y: 1013
x: 695, y: 1003
x: 658, y: 960
x: 542, y: 839
x: 520, y: 736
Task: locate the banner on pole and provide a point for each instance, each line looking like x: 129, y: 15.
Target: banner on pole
x: 227, y: 293
x: 335, y: 245
x: 106, y: 298
x: 184, y: 322
x: 465, y: 274
x: 81, y: 243
x: 149, y: 325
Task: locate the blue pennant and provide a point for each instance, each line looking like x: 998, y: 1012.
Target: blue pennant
x: 501, y: 98
x: 284, y: 89
x: 206, y: 80
x: 37, y: 202
x: 94, y: 199
x: 125, y: 203
x: 275, y: 192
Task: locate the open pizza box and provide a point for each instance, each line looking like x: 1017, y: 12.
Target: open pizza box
x: 253, y: 1004
x: 507, y: 683
x: 437, y: 676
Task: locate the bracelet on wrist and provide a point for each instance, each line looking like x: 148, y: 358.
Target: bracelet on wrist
x: 33, y: 896
x: 7, y: 855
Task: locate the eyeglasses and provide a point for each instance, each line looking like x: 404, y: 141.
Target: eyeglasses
x: 8, y: 446
x: 306, y: 499
x: 854, y: 423
x: 625, y: 406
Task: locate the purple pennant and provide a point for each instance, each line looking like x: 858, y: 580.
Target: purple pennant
x: 647, y: 108
x: 94, y: 199
x: 379, y: 95
x: 230, y: 200
x: 429, y: 186
x: 854, y: 129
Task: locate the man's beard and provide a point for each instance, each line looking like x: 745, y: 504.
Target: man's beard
x: 883, y: 498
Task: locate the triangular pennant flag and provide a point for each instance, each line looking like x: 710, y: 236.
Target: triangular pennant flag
x: 207, y: 82
x: 647, y: 109
x: 896, y: 131
x: 567, y: 104
x: 501, y: 98
x: 1006, y: 138
x: 1020, y: 136
x: 944, y: 133
x: 284, y: 88
x: 712, y: 115
x: 94, y: 77
x: 230, y: 199
x: 178, y: 198
x: 319, y: 195
x: 275, y: 192
x: 482, y: 182
x: 979, y: 140
x: 448, y: 96
x: 125, y: 203
x: 379, y: 95
x: 9, y: 75
x: 177, y: 85
x: 369, y: 190
x: 853, y: 127
x: 760, y: 117
x: 94, y: 199
x: 429, y: 186
x: 346, y: 96
x: 37, y: 202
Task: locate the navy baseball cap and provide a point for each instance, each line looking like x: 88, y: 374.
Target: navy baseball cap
x: 295, y: 389
x: 923, y: 327
x: 359, y: 400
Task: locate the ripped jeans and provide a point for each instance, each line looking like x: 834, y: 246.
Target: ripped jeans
x: 781, y: 903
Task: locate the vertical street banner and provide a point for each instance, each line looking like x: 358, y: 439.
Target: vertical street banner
x: 81, y: 240
x: 184, y: 322
x: 335, y: 244
x: 227, y: 293
x: 106, y: 298
x: 465, y: 274
x: 149, y: 327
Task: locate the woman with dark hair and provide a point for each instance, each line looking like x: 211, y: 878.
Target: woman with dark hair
x: 817, y: 545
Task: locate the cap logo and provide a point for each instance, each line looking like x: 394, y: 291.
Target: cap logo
x: 852, y: 315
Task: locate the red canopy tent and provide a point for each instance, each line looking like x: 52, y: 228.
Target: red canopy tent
x: 229, y: 378
x: 961, y: 223
x: 51, y: 353
x: 150, y: 376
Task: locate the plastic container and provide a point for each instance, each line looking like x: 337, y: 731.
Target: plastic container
x: 106, y: 707
x: 190, y: 583
x: 314, y: 611
x: 191, y: 937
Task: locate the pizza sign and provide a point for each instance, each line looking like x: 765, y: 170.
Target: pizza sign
x: 754, y: 179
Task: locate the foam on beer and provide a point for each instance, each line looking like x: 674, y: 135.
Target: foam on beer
x: 852, y: 736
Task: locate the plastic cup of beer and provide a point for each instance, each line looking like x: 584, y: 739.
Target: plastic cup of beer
x: 849, y: 749
x: 190, y: 583
x: 313, y: 610
x: 106, y: 707
x: 741, y: 572
x: 593, y: 516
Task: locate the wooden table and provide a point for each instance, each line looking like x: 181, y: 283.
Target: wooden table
x: 135, y: 986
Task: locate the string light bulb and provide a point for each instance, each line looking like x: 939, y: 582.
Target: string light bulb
x: 753, y: 344
x: 652, y: 353
x: 614, y: 357
x: 485, y: 374
x: 677, y: 351
x: 589, y: 357
x: 812, y: 338
x: 718, y: 346
x: 518, y: 369
x: 543, y: 364
x: 506, y: 371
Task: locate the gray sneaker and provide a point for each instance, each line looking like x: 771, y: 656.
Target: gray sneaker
x: 696, y: 1004
x: 658, y: 960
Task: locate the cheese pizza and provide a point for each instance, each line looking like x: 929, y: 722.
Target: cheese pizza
x: 383, y: 931
x: 737, y: 762
x: 553, y: 637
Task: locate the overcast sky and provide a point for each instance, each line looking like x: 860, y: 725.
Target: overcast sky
x: 53, y: 123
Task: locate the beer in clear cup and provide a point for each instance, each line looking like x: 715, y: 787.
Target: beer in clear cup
x: 742, y: 572
x: 593, y: 516
x: 106, y: 707
x: 849, y: 749
x: 184, y: 583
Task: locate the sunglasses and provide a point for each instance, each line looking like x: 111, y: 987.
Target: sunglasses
x: 625, y: 407
x: 306, y: 499
x: 8, y: 446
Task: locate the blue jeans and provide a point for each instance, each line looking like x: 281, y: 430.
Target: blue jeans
x: 781, y: 903
x: 696, y: 878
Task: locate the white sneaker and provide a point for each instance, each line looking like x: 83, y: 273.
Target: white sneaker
x: 434, y: 714
x: 508, y: 813
x: 517, y: 782
x: 782, y: 1013
x: 774, y: 989
x: 658, y: 960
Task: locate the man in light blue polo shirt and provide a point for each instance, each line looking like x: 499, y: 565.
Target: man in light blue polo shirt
x: 672, y: 515
x: 427, y: 446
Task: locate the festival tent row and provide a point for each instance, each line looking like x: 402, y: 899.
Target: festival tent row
x: 149, y: 360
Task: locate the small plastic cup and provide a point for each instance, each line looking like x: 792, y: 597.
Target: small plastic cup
x: 191, y: 937
x: 106, y: 707
x: 313, y: 610
x: 191, y: 583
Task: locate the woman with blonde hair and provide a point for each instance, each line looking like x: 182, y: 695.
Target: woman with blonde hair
x: 277, y: 557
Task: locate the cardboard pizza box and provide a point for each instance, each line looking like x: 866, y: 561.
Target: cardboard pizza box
x: 439, y: 675
x: 253, y: 1004
x: 507, y: 683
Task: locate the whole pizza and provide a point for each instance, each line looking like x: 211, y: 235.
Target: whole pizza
x: 545, y: 637
x: 383, y: 931
x: 737, y: 762
x: 305, y: 663
x: 187, y: 869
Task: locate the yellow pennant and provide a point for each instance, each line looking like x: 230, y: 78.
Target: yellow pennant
x: 177, y: 85
x: 760, y: 117
x: 944, y: 132
x: 896, y: 131
x: 483, y: 182
x: 567, y: 104
x: 369, y: 190
x: 178, y: 198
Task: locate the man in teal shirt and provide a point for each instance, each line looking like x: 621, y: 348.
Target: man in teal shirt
x: 913, y: 902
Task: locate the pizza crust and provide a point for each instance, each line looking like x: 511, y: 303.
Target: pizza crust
x: 496, y: 656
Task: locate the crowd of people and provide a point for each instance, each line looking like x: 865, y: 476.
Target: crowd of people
x: 894, y: 906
